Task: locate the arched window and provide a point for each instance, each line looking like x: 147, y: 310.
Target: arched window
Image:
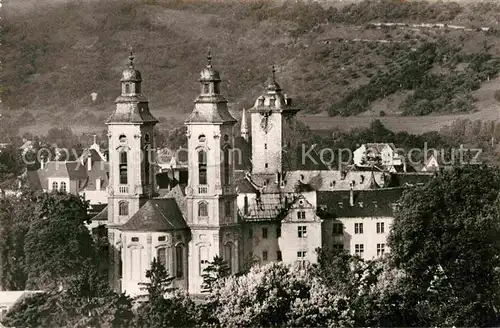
x: 225, y: 165
x: 202, y: 167
x: 123, y: 167
x: 123, y: 208
x: 161, y: 255
x: 179, y: 261
x: 63, y: 186
x: 202, y: 209
x: 228, y: 255
x: 54, y: 185
x: 127, y: 88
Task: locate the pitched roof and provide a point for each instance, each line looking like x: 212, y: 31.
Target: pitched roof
x: 367, y: 203
x: 242, y: 162
x: 321, y: 180
x: 161, y: 214
x: 102, y: 215
x: 178, y: 194
x: 265, y: 207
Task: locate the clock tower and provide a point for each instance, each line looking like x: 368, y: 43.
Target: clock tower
x: 269, y: 116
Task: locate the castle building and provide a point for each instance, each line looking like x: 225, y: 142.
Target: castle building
x: 241, y: 205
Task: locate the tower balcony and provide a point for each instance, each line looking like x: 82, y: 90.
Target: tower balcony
x: 123, y: 189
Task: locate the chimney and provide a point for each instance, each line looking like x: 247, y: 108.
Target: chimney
x: 351, y: 196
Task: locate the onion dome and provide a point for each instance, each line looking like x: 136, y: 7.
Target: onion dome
x: 273, y: 86
x: 208, y: 74
x: 130, y: 74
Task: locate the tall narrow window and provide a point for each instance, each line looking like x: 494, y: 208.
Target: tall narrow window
x: 63, y: 186
x: 127, y: 88
x: 264, y: 233
x: 358, y: 228
x: 123, y: 208
x: 147, y: 164
x: 179, y: 261
x: 245, y: 205
x: 202, y: 209
x: 202, y: 167
x: 123, y: 168
x: 54, y: 185
x: 380, y: 227
x: 264, y: 255
x: 380, y: 249
x: 226, y: 166
x: 216, y: 88
x: 120, y: 265
x: 227, y: 209
x: 206, y: 88
x: 228, y: 255
x: 161, y: 255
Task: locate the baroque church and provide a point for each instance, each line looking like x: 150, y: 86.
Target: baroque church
x: 239, y: 203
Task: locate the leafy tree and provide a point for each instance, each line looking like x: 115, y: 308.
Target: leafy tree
x: 11, y: 164
x: 446, y: 237
x: 277, y: 295
x: 87, y: 302
x: 215, y: 270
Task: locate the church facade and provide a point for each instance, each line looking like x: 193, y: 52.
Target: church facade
x: 250, y: 215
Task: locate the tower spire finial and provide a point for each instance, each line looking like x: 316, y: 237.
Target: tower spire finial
x: 209, y: 58
x: 131, y: 58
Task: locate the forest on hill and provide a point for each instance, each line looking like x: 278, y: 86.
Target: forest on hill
x: 330, y: 59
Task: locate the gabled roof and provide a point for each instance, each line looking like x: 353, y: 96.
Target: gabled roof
x: 156, y: 215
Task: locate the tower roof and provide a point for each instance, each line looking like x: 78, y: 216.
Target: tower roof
x: 209, y: 74
x: 273, y: 86
x: 130, y: 74
x: 273, y: 99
